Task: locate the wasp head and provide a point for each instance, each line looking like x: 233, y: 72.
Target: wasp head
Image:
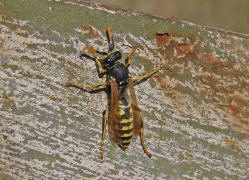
x: 113, y: 58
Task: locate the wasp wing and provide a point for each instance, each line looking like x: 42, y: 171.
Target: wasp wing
x: 113, y: 120
x: 137, y: 118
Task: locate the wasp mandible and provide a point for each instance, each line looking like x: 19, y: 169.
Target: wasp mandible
x: 122, y: 115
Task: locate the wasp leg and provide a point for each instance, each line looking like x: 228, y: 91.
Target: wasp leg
x: 147, y: 75
x: 102, y: 53
x: 91, y: 58
x: 106, y: 112
x: 142, y: 137
x: 110, y: 39
x: 101, y: 71
x: 128, y: 59
x: 87, y: 56
x: 89, y: 86
x: 91, y: 49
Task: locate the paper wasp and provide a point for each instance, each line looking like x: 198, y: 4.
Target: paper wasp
x: 124, y: 118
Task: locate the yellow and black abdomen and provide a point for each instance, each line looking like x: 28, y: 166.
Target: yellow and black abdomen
x: 122, y: 126
x: 126, y: 124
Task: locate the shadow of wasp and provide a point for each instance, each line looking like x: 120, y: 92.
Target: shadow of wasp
x: 122, y: 115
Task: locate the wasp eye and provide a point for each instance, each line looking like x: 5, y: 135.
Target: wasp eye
x: 118, y: 55
x: 113, y: 57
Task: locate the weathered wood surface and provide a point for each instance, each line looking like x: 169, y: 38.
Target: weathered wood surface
x: 196, y: 115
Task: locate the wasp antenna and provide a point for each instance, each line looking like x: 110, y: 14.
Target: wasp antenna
x: 109, y: 39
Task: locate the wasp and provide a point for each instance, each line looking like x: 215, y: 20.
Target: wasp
x: 122, y: 115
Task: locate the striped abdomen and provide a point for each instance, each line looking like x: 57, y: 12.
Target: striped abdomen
x: 126, y: 124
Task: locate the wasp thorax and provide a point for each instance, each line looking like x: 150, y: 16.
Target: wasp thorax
x: 120, y: 73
